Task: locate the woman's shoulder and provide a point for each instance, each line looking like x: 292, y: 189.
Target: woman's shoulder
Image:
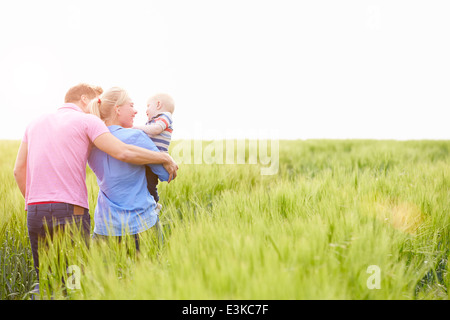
x: 132, y: 136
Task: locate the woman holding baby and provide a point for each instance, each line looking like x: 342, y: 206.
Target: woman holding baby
x: 124, y: 205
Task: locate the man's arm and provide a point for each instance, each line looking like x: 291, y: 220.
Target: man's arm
x: 134, y: 154
x: 20, y: 167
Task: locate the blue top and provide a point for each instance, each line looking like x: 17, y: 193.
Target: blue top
x: 124, y: 205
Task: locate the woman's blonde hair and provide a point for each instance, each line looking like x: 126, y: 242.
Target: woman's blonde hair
x: 103, y: 107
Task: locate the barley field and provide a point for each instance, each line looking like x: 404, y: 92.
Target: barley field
x: 341, y: 219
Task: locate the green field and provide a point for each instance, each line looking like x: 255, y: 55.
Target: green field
x: 355, y: 219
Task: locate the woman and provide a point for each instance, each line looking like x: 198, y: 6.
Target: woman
x: 124, y: 205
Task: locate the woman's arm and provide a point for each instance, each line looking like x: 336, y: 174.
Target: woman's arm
x: 134, y: 154
x: 20, y: 167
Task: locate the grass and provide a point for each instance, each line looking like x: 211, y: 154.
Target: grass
x: 312, y: 231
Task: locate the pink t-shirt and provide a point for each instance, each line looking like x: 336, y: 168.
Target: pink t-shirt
x: 58, y: 147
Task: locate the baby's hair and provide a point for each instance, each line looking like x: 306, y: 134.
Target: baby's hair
x: 165, y: 99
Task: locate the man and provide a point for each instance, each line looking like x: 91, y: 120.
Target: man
x: 50, y: 168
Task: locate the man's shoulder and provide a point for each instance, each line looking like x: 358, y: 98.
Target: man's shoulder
x: 90, y: 117
x: 86, y: 123
x: 92, y: 122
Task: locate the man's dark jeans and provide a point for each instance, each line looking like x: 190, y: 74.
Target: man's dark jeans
x: 43, y: 220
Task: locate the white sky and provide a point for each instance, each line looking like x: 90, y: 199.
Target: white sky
x: 238, y: 68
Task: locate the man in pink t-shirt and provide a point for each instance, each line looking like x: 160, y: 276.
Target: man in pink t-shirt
x: 56, y: 166
x: 50, y: 168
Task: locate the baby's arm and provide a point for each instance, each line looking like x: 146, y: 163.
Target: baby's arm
x: 151, y: 129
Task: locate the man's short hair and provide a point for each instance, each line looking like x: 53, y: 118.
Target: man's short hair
x: 74, y: 94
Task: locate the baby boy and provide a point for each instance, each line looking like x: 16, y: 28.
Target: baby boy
x: 160, y: 108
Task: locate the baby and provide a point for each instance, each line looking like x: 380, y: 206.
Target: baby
x: 160, y: 108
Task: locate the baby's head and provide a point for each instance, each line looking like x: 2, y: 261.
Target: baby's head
x: 161, y: 102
